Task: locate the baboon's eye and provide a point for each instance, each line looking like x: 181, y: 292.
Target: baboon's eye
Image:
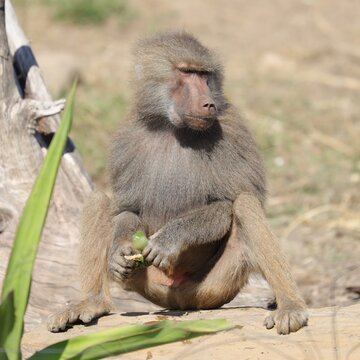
x: 188, y: 71
x: 194, y: 71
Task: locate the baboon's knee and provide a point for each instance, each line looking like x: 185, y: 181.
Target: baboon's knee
x: 97, y: 202
x: 247, y: 207
x: 97, y: 208
x: 96, y: 226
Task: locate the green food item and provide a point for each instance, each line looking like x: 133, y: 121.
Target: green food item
x: 138, y: 259
x: 139, y: 240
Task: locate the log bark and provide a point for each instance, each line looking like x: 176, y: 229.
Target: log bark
x: 24, y: 101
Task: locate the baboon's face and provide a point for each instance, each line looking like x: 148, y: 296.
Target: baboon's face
x: 191, y: 104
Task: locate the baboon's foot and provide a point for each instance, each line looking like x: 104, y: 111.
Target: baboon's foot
x: 287, y: 320
x: 85, y: 311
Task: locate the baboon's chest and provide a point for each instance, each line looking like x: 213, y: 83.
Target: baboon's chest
x: 176, y: 181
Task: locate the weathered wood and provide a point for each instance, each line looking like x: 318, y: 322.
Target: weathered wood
x: 34, y: 87
x: 7, y: 86
x: 22, y: 153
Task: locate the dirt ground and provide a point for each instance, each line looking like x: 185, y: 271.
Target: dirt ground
x: 292, y: 68
x: 329, y: 335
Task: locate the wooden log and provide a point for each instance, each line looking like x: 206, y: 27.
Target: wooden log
x: 33, y: 86
x: 24, y: 100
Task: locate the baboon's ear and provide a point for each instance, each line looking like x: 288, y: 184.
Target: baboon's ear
x: 138, y: 71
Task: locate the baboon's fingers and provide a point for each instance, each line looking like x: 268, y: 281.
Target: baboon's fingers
x: 156, y: 262
x: 127, y: 250
x: 119, y: 272
x: 120, y: 267
x: 121, y: 261
x: 150, y: 254
x: 147, y: 251
x: 164, y: 264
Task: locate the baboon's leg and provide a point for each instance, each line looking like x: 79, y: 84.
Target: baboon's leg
x: 265, y: 255
x: 251, y: 246
x: 228, y: 274
x: 96, y: 237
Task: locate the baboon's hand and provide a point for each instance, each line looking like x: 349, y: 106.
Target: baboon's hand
x: 119, y: 267
x: 287, y: 320
x: 161, y: 252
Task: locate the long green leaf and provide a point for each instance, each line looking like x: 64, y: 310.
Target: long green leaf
x: 19, y: 271
x: 128, y: 338
x: 7, y: 318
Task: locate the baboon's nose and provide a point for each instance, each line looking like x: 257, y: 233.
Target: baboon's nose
x: 211, y: 108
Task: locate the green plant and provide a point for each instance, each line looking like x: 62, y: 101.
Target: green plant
x: 128, y: 338
x: 89, y: 11
x: 17, y: 282
x: 85, y: 12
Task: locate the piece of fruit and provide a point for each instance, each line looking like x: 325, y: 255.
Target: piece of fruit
x: 139, y: 240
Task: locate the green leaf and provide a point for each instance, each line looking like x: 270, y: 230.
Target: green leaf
x: 129, y: 338
x: 19, y: 271
x: 7, y: 318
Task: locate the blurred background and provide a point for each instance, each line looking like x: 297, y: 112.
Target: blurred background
x: 292, y: 69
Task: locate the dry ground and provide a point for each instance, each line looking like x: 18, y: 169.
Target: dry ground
x: 248, y: 340
x: 292, y: 68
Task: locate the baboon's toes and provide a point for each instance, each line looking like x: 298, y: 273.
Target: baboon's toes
x: 57, y: 322
x: 86, y: 311
x: 287, y: 321
x: 269, y: 321
x: 87, y: 317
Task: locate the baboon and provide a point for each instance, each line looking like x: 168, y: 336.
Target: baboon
x: 184, y: 169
